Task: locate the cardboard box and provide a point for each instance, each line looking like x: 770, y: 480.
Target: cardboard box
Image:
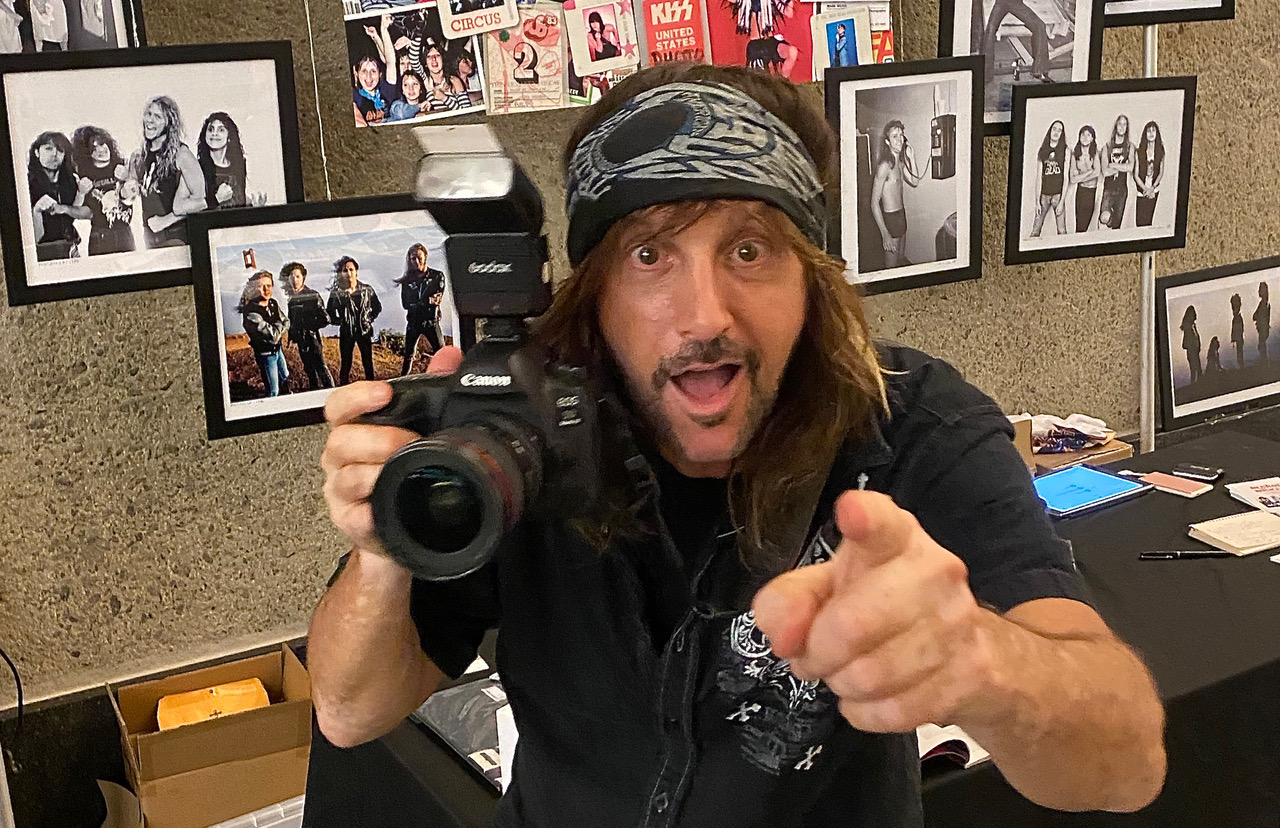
x: 201, y: 774
x: 1106, y: 453
x: 1022, y: 438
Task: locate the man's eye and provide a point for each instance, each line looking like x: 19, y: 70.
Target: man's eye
x: 647, y: 255
x: 748, y: 251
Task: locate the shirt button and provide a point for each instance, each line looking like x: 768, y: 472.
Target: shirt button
x: 660, y: 802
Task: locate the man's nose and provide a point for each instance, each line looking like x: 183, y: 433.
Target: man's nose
x: 702, y: 301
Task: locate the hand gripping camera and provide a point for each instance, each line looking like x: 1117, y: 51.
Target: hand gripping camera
x: 512, y: 434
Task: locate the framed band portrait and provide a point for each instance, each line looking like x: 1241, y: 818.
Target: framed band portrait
x: 910, y: 207
x: 1023, y: 43
x: 294, y: 300
x: 1151, y: 12
x: 1214, y: 346
x: 107, y: 153
x: 69, y: 25
x: 1099, y: 168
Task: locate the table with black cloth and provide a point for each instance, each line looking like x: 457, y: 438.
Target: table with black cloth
x: 1208, y: 629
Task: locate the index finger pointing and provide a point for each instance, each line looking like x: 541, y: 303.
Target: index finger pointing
x: 874, y: 529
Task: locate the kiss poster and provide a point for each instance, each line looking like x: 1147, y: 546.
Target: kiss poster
x: 674, y: 30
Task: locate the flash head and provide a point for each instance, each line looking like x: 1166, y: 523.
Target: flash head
x: 492, y: 215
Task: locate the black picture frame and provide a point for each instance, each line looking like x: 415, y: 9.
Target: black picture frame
x: 1025, y: 97
x: 1115, y: 16
x: 211, y: 333
x: 971, y: 266
x: 78, y: 36
x: 18, y: 260
x: 1227, y: 375
x: 995, y: 121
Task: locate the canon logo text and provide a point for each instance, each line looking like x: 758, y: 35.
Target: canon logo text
x: 485, y: 380
x: 489, y: 267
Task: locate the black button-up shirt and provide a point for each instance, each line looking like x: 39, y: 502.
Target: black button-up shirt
x: 623, y: 725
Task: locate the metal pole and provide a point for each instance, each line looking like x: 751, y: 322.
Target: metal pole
x: 1147, y: 382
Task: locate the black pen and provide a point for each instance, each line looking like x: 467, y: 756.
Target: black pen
x: 1180, y: 554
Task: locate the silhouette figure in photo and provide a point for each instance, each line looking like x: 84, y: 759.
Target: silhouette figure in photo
x: 1212, y: 362
x: 1237, y: 330
x: 1191, y: 343
x: 1262, y: 321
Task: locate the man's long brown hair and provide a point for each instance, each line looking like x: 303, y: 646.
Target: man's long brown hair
x: 832, y: 389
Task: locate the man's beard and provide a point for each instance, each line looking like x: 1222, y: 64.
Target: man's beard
x: 646, y: 399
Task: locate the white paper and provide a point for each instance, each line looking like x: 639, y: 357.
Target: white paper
x: 477, y: 666
x: 122, y: 806
x: 1248, y: 532
x: 507, y: 738
x: 929, y: 736
x: 879, y: 9
x: 1260, y: 494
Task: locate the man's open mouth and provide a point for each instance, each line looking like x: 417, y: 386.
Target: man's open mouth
x: 702, y: 384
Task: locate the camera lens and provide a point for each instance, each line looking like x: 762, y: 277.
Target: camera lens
x: 443, y: 504
x: 439, y: 509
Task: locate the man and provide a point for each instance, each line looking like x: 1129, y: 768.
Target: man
x: 742, y: 636
x: 353, y: 306
x: 421, y: 289
x: 896, y: 164
x: 169, y: 178
x: 266, y: 327
x: 840, y: 55
x: 1020, y: 11
x: 307, y: 318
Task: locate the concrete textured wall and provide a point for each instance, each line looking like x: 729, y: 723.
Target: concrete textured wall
x: 130, y: 542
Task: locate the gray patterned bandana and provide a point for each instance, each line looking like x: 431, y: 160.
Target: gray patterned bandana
x: 689, y: 142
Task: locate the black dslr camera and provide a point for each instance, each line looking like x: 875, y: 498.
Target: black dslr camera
x: 511, y: 434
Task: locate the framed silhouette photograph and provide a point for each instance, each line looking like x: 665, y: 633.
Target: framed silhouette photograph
x: 910, y: 206
x: 1152, y: 12
x: 1032, y: 43
x: 1099, y: 168
x: 1215, y: 345
x: 109, y: 152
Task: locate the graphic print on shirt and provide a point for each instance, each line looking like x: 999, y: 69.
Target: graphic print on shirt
x: 781, y: 719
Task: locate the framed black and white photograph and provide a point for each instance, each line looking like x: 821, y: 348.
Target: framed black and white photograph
x: 1099, y: 168
x: 1023, y: 43
x: 1151, y: 12
x: 295, y: 300
x: 108, y: 153
x: 910, y: 209
x: 69, y: 25
x: 1214, y: 346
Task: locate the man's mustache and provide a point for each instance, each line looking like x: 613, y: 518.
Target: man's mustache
x: 705, y: 352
